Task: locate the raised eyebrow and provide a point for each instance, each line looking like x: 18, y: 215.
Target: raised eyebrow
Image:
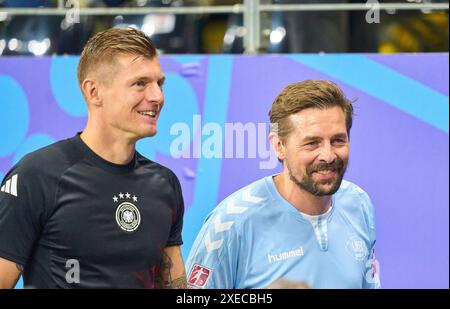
x: 146, y: 79
x: 317, y: 138
x: 311, y: 138
x: 341, y: 135
x: 138, y: 78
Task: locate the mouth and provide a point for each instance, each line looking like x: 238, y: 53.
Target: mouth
x: 151, y: 113
x: 326, y: 173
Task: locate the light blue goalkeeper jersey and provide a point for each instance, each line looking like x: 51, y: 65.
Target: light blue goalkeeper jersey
x: 255, y: 237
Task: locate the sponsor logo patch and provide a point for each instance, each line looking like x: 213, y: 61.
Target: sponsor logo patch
x: 198, y: 276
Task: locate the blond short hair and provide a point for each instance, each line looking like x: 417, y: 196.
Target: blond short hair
x: 104, y: 46
x: 296, y: 97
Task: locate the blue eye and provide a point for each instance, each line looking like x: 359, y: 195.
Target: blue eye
x: 340, y: 141
x: 312, y: 143
x: 139, y: 84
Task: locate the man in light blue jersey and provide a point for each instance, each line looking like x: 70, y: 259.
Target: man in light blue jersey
x: 305, y: 224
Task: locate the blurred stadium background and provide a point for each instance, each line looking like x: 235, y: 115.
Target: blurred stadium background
x: 43, y: 27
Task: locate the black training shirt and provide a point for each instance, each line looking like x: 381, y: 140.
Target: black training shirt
x: 67, y: 214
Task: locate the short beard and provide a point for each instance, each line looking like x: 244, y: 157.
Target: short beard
x: 308, y: 184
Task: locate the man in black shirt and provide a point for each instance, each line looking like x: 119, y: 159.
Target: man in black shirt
x: 90, y: 211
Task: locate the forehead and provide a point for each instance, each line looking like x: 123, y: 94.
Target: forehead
x: 139, y: 66
x: 319, y: 122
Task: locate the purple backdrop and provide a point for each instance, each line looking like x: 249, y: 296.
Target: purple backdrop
x: 399, y: 142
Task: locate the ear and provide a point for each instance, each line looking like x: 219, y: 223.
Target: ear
x: 91, y: 91
x: 277, y: 145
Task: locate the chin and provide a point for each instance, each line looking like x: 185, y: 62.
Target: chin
x: 330, y: 190
x: 151, y: 133
x: 148, y: 131
x: 144, y: 134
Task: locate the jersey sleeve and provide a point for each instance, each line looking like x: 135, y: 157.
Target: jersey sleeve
x: 21, y: 213
x: 213, y: 260
x: 372, y: 271
x: 175, y: 238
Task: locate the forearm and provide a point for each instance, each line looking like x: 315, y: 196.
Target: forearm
x: 171, y: 273
x: 9, y: 273
x: 178, y: 283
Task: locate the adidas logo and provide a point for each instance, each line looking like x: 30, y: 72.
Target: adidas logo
x: 10, y: 186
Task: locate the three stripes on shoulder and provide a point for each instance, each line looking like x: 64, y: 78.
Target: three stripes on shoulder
x: 232, y: 208
x: 10, y: 186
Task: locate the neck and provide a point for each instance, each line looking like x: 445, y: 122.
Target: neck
x: 108, y: 145
x: 302, y: 200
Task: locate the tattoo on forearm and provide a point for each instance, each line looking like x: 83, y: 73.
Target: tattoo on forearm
x: 164, y: 279
x: 19, y: 268
x: 179, y: 283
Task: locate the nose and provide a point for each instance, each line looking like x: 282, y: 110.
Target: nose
x: 154, y: 94
x: 327, y: 153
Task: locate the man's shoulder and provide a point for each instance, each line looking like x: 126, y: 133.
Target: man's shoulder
x: 156, y: 167
x: 355, y: 201
x: 351, y: 190
x: 49, y: 159
x: 39, y: 171
x: 246, y: 202
x: 225, y: 226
